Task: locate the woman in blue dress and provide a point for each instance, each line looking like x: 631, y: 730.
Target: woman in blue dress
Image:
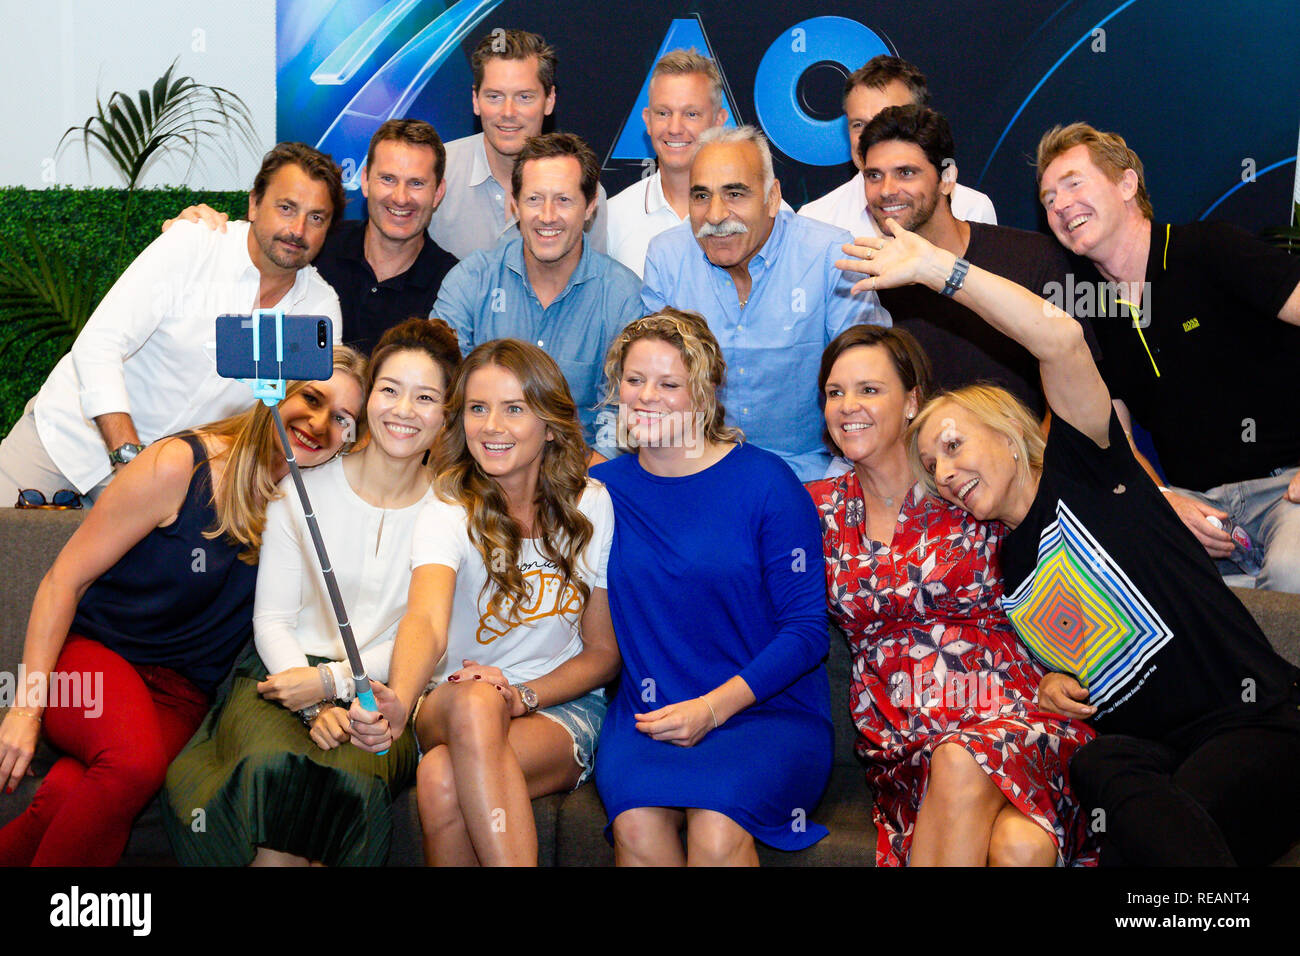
x: 721, y: 722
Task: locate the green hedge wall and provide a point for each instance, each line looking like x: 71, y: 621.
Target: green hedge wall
x: 85, y: 226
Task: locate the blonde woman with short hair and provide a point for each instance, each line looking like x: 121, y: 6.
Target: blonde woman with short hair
x: 720, y: 731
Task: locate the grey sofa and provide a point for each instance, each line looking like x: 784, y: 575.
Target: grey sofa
x: 570, y: 826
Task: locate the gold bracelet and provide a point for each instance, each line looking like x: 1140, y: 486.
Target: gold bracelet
x: 22, y: 712
x: 710, y: 706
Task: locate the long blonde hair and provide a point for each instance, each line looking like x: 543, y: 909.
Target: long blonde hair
x: 253, y: 454
x: 561, y: 529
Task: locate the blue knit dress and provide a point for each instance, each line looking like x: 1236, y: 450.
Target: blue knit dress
x: 712, y: 575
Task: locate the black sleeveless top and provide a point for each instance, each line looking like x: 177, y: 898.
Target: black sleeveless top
x: 176, y: 599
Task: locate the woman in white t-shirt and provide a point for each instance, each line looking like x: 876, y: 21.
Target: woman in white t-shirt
x: 507, y: 619
x: 268, y: 768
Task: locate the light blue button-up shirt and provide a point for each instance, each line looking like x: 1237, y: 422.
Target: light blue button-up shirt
x: 488, y: 296
x: 773, y: 345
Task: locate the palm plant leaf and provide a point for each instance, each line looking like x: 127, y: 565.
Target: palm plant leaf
x: 41, y: 298
x: 179, y: 113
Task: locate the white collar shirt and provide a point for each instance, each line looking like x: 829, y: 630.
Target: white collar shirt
x: 149, y: 349
x: 846, y: 206
x: 637, y: 215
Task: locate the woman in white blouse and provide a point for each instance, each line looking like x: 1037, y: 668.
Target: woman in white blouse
x: 265, y: 780
x: 508, y: 626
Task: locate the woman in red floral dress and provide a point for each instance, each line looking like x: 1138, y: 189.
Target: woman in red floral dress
x: 965, y: 768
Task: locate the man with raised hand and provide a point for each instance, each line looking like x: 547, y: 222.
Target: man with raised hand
x: 144, y: 366
x: 905, y: 153
x: 882, y: 82
x: 547, y: 285
x: 513, y: 93
x: 1201, y: 349
x: 766, y: 282
x: 685, y: 99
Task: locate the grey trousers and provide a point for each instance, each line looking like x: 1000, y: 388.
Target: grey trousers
x: 24, y: 463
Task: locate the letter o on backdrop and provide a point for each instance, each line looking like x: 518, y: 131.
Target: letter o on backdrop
x: 803, y: 138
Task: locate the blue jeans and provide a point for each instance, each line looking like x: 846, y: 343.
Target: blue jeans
x: 1272, y: 522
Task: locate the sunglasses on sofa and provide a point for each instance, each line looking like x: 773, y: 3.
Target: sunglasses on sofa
x: 64, y: 500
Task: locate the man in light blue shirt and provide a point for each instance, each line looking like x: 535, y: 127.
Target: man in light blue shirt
x: 766, y: 282
x: 547, y: 285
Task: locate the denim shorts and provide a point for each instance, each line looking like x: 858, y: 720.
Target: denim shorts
x: 581, y: 717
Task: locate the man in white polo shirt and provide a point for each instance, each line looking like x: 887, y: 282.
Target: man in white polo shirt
x: 514, y: 92
x: 144, y: 366
x: 685, y: 99
x: 884, y: 81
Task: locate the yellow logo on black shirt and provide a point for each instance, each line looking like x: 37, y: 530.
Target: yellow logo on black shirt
x: 1192, y: 323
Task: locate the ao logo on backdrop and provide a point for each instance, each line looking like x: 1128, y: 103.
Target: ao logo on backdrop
x: 838, y: 41
x: 393, y: 88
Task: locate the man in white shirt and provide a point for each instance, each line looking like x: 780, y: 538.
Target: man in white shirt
x: 144, y: 366
x: 884, y: 81
x: 514, y: 92
x: 685, y: 99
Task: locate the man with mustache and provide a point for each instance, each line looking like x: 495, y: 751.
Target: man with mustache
x: 144, y: 366
x: 766, y: 282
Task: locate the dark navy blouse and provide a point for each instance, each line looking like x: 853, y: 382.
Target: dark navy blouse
x: 176, y: 599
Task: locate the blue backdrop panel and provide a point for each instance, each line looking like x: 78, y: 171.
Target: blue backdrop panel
x: 1206, y: 92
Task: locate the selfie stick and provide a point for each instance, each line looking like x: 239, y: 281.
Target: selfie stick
x: 271, y: 392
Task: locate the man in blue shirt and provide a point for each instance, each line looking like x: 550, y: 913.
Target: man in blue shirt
x: 547, y: 286
x: 766, y: 282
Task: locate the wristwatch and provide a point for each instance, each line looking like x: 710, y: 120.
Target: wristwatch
x: 309, y: 713
x: 124, y: 453
x: 958, y: 276
x: 529, y: 697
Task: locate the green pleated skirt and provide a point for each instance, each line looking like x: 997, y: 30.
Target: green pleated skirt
x: 252, y: 777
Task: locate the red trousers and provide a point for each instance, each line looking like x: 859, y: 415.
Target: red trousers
x: 115, y: 761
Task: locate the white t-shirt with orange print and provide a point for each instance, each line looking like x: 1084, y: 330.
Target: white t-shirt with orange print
x: 549, y: 632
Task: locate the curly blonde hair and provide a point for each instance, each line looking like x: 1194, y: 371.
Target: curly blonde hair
x: 561, y: 529
x: 706, y: 369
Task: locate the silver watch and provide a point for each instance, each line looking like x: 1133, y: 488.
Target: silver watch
x: 124, y: 453
x: 529, y: 697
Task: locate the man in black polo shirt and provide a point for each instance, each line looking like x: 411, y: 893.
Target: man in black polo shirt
x: 1201, y: 344
x: 385, y: 268
x: 906, y: 153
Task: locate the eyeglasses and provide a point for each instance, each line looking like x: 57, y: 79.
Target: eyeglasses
x: 64, y: 500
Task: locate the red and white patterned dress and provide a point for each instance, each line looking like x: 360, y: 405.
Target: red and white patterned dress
x: 935, y: 661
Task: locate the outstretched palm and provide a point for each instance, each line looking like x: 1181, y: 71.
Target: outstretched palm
x: 889, y: 261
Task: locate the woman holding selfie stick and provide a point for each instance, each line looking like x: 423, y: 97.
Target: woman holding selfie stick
x: 154, y: 591
x: 270, y: 768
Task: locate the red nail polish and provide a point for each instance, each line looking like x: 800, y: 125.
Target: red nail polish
x: 478, y: 676
x: 453, y: 677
